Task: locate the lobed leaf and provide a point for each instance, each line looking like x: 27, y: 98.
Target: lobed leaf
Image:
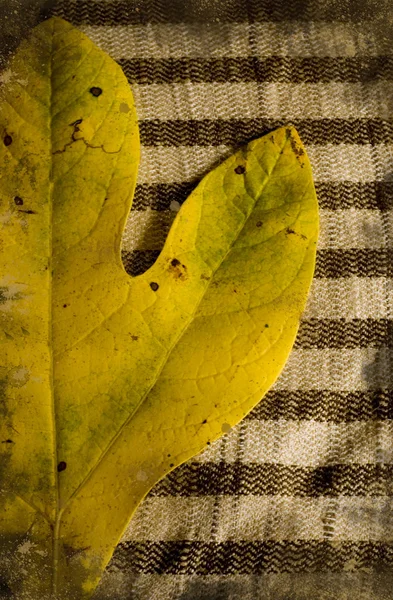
x: 108, y: 382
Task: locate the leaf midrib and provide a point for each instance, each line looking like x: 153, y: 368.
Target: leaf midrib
x: 56, y: 529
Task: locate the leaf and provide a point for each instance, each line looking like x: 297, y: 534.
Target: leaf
x: 108, y: 382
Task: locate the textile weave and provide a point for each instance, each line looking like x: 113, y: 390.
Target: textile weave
x: 296, y: 501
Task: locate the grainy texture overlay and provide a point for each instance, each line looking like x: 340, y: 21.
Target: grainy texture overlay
x: 297, y: 501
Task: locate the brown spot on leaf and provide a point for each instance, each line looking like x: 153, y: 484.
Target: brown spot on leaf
x: 289, y: 231
x: 28, y: 212
x: 240, y: 170
x: 18, y: 201
x: 171, y: 465
x: 65, y: 305
x: 96, y: 91
x: 154, y: 286
x: 61, y: 466
x: 8, y: 442
x: 259, y: 224
x: 7, y: 140
x: 296, y: 148
x: 178, y: 270
x: 205, y: 277
x: 135, y: 338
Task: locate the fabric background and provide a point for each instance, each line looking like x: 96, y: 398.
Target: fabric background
x: 296, y: 501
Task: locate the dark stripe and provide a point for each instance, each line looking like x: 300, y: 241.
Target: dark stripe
x: 246, y: 69
x: 324, y: 405
x: 360, y: 262
x: 342, y: 333
x: 242, y: 479
x: 124, y: 12
x: 375, y: 195
x: 235, y: 132
x: 332, y: 264
x: 138, y: 261
x: 187, y: 557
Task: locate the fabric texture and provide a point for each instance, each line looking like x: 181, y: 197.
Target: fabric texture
x: 296, y: 501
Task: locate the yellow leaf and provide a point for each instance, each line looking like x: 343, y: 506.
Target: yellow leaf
x: 108, y: 382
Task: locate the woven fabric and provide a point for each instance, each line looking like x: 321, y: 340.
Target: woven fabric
x: 296, y: 501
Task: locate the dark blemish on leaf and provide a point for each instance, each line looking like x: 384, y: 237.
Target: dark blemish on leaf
x: 259, y: 224
x: 27, y: 212
x: 135, y: 338
x: 169, y: 455
x: 8, y: 336
x: 7, y: 140
x: 154, y: 286
x: 25, y: 332
x: 96, y: 91
x: 8, y: 442
x: 77, y: 129
x: 272, y: 139
x: 76, y: 123
x: 65, y: 305
x: 296, y: 148
x: 178, y: 269
x: 73, y: 77
x: 18, y: 201
x: 205, y: 277
x: 240, y: 170
x: 289, y: 231
x: 124, y: 108
x: 208, y: 443
x: 235, y: 291
x: 266, y: 325
x: 61, y: 466
x: 171, y: 465
x: 205, y: 421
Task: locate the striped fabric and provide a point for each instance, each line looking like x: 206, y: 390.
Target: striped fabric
x: 296, y: 501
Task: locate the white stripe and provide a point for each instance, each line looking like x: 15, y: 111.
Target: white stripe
x: 305, y: 443
x: 147, y: 229
x: 350, y: 298
x: 253, y: 518
x: 337, y: 370
x: 338, y: 229
x: 353, y: 228
x: 215, y: 40
x: 343, y: 162
x: 264, y: 100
